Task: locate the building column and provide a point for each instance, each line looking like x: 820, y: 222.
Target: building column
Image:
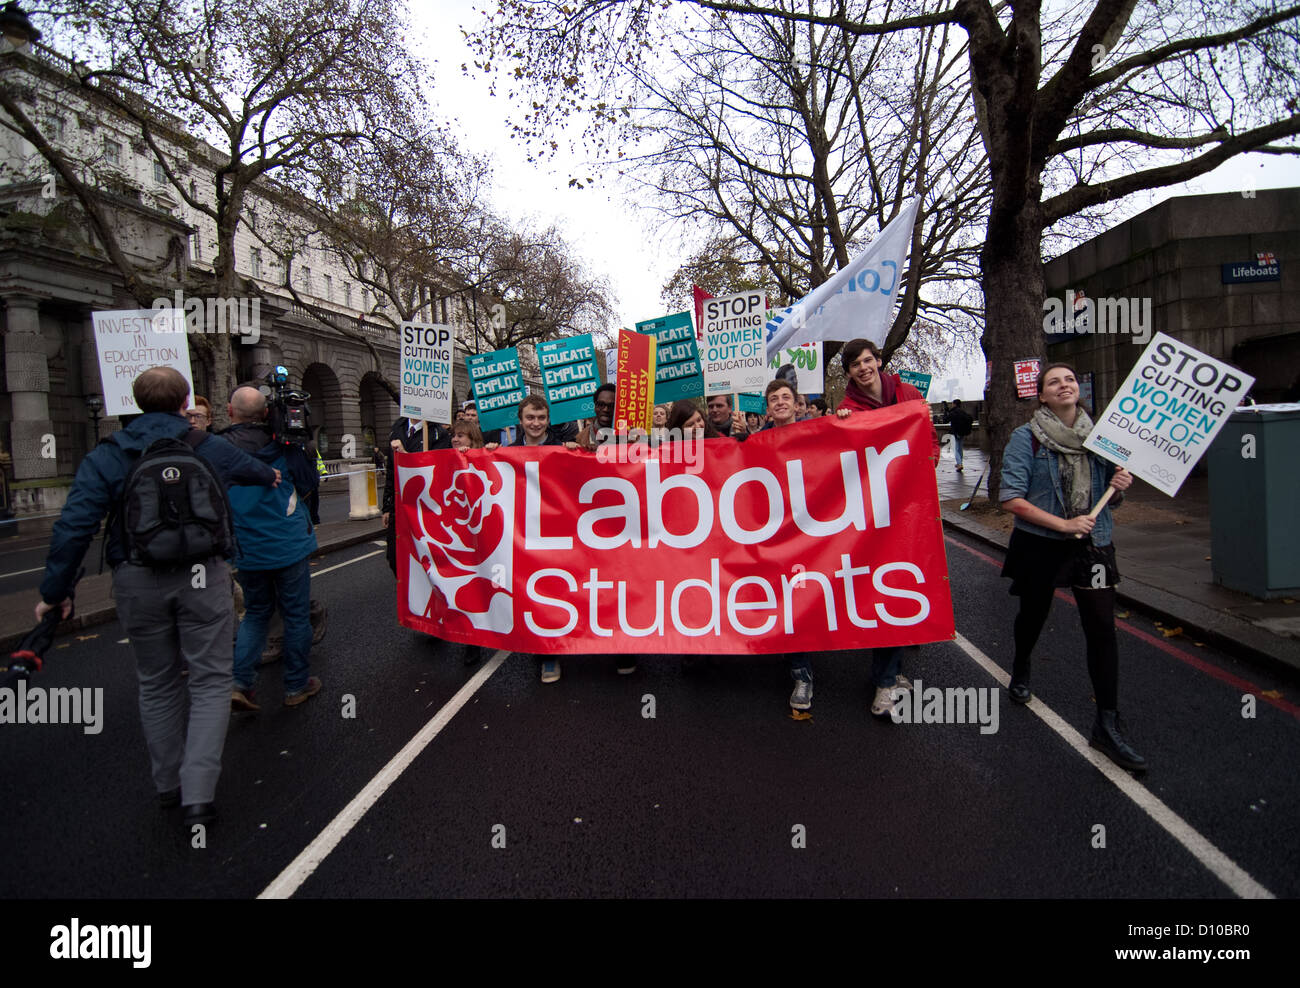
x: 27, y: 378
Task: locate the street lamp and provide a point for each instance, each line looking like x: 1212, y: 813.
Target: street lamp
x: 16, y: 28
x: 94, y: 404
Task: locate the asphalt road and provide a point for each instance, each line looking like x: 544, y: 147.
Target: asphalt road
x: 22, y: 558
x: 585, y: 796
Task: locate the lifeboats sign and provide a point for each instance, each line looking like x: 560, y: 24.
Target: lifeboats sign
x: 820, y: 535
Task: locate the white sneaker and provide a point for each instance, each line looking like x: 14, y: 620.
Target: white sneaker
x: 550, y: 670
x: 801, y: 698
x: 884, y: 701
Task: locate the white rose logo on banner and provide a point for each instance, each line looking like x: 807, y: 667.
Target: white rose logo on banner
x: 461, y: 560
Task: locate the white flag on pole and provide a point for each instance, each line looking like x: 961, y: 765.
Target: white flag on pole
x: 859, y: 300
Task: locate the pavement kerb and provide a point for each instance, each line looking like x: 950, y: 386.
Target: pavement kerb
x: 104, y: 614
x: 1224, y: 631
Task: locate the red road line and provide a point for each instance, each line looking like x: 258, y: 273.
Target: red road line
x: 1186, y: 657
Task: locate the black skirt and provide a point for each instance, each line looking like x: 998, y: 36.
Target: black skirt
x: 1035, y: 561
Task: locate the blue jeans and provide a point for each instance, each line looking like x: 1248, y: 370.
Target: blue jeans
x: 885, y: 663
x: 290, y: 588
x: 956, y: 446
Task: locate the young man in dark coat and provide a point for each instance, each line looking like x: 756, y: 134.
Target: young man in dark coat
x: 179, y: 618
x: 408, y: 436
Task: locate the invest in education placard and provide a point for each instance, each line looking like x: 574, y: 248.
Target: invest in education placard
x: 130, y: 341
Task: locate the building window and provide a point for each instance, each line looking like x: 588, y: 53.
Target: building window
x: 196, y: 245
x: 112, y: 152
x: 329, y: 289
x: 347, y: 294
x: 54, y: 128
x: 159, y: 173
x: 255, y: 261
x: 306, y: 279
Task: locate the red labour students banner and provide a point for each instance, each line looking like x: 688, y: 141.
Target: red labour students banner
x: 820, y: 535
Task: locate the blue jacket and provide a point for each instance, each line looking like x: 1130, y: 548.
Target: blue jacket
x: 273, y: 526
x: 98, y: 484
x: 1034, y: 474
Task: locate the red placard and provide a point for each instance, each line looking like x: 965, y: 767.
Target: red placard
x: 634, y: 391
x: 820, y: 535
x: 1027, y: 377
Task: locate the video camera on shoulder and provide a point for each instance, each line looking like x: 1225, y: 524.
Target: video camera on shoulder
x: 287, y: 411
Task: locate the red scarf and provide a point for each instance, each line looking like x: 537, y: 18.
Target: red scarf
x: 857, y: 400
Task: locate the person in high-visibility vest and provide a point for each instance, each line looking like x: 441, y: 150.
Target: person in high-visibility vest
x: 313, y: 501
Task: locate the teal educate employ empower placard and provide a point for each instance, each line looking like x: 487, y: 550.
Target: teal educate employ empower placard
x: 677, y: 358
x: 498, y: 387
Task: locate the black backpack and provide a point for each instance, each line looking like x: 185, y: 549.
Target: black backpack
x: 174, y: 509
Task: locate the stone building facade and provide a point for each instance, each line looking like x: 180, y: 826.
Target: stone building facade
x: 53, y: 275
x: 1219, y: 272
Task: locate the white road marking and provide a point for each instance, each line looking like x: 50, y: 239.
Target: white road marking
x: 331, y: 569
x: 22, y: 572
x: 1218, y: 863
x: 380, y: 543
x: 300, y: 869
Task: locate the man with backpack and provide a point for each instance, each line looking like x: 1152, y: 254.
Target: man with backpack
x: 276, y: 540
x: 162, y: 485
x: 960, y: 422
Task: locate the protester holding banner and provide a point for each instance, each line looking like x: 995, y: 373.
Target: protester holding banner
x: 406, y: 435
x: 782, y: 405
x: 870, y: 388
x: 1049, y: 482
x: 589, y: 436
x: 724, y: 420
x: 465, y: 435
x: 685, y: 420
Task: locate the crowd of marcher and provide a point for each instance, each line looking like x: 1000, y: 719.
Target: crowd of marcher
x: 184, y: 504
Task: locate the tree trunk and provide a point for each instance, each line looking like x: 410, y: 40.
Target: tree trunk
x: 1014, y: 290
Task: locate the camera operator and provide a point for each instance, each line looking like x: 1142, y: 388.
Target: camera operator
x: 275, y: 542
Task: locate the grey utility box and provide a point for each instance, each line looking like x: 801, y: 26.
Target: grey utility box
x: 1255, y: 502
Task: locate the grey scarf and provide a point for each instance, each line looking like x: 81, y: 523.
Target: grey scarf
x: 1072, y: 463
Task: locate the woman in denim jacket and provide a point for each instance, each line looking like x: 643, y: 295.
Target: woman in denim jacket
x: 1050, y: 483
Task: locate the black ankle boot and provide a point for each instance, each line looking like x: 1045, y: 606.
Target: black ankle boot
x: 1019, y: 688
x: 1108, y: 738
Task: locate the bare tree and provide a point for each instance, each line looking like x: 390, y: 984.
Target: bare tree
x: 1076, y: 109
x: 265, y: 88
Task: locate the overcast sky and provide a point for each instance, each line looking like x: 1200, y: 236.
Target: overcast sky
x: 604, y: 225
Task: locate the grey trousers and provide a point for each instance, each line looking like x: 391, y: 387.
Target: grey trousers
x: 177, y: 619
